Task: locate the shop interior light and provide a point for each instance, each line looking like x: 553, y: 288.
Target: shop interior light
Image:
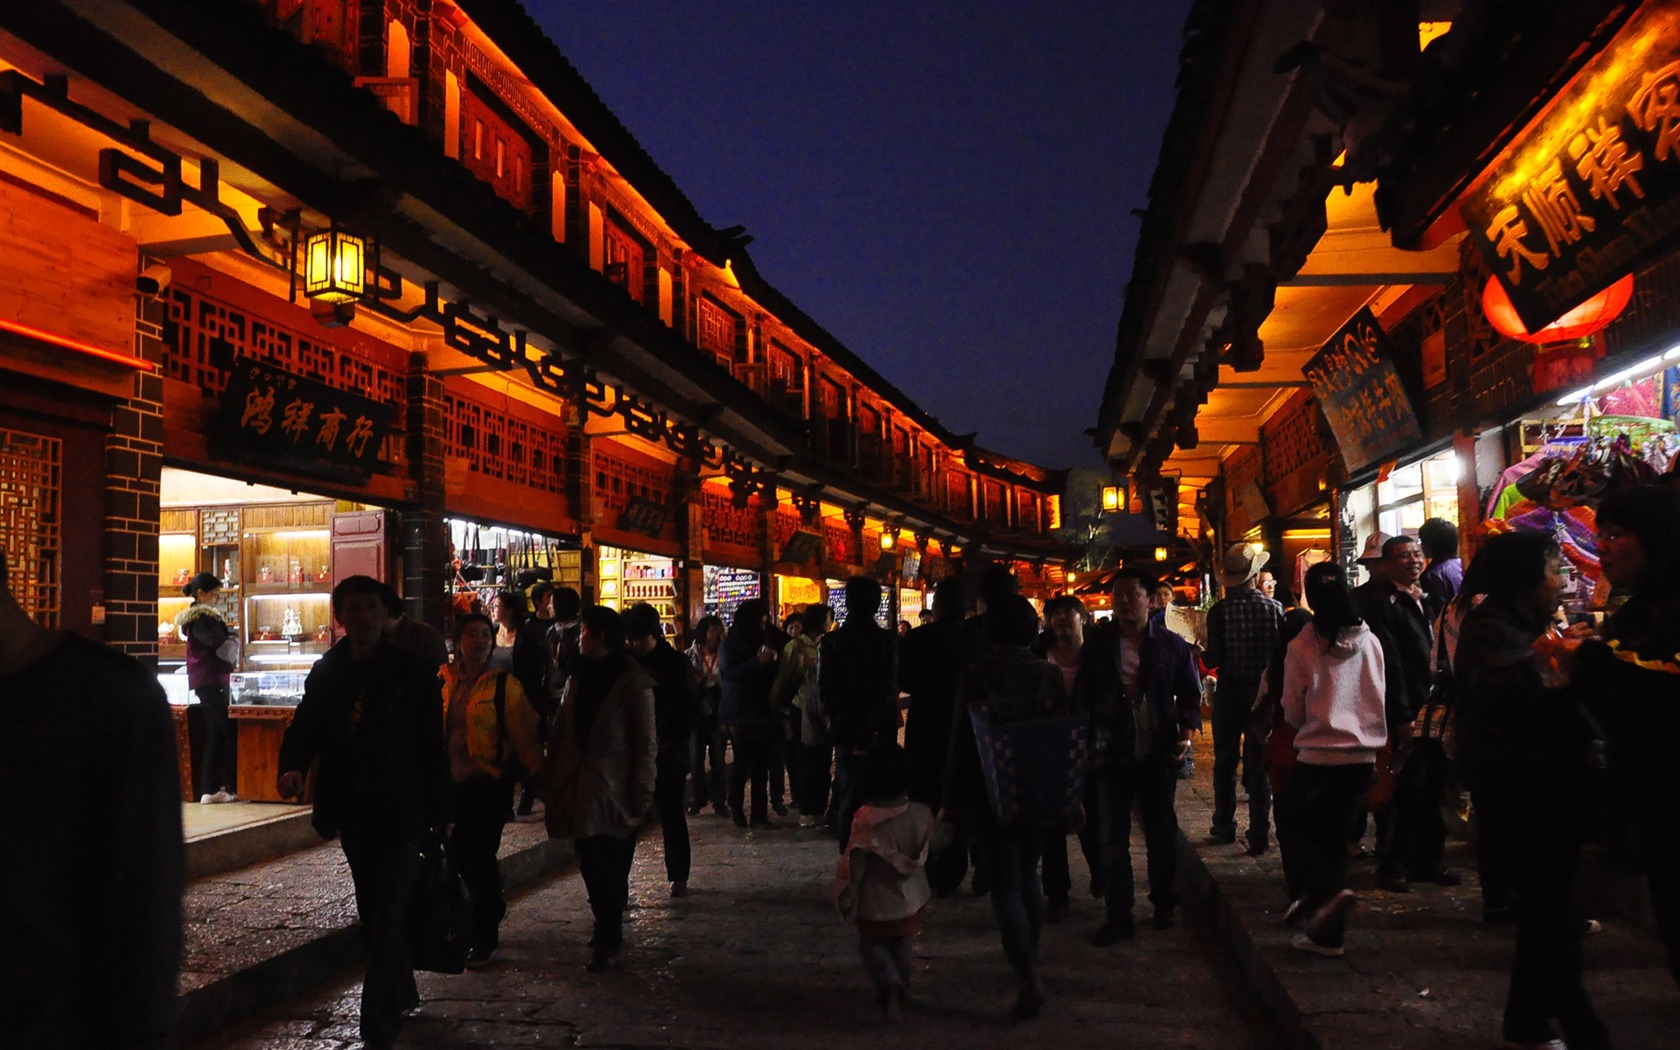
x: 335, y: 266
x: 1638, y: 371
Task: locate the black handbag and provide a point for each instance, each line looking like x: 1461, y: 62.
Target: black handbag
x: 440, y: 916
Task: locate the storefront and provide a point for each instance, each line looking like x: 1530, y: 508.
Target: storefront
x: 485, y: 557
x: 628, y: 577
x: 278, y: 554
x: 725, y: 588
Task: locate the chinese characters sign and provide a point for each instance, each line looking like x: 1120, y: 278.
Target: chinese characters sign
x: 1593, y: 185
x: 643, y: 516
x: 802, y: 548
x: 1360, y: 393
x: 283, y: 420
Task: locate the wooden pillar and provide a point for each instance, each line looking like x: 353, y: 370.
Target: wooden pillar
x: 1469, y: 496
x: 424, y: 538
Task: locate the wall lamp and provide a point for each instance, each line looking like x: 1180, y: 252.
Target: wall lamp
x: 1113, y: 498
x: 1160, y: 554
x: 889, y: 537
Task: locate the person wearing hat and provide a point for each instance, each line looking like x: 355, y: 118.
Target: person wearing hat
x: 1371, y: 560
x: 1242, y: 631
x: 210, y: 656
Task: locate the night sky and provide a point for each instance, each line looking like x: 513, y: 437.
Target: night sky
x: 946, y: 187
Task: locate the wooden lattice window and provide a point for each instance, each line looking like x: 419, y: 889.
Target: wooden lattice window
x: 618, y: 479
x: 1292, y: 440
x: 625, y: 260
x: 499, y: 445
x: 727, y: 523
x: 992, y: 505
x: 31, y: 486
x: 716, y: 330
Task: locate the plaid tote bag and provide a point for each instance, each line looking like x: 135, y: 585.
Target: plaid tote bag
x: 1034, y: 770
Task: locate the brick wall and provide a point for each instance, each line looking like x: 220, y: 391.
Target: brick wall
x: 134, y: 472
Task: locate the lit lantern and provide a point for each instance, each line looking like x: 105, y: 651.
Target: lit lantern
x: 1113, y: 498
x: 1578, y: 323
x: 889, y: 538
x: 1160, y: 554
x: 335, y: 266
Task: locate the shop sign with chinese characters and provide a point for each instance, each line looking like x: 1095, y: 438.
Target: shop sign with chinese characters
x: 278, y: 419
x: 1360, y: 393
x: 1592, y: 187
x: 643, y: 517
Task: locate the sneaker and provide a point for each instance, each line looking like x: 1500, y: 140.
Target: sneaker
x: 601, y: 959
x: 780, y: 809
x: 1304, y: 942
x: 1222, y: 834
x: 679, y: 888
x: 205, y: 800
x: 1113, y: 931
x: 1296, y: 913
x: 808, y: 822
x: 1394, y: 883
x: 224, y: 795
x: 1337, y: 907
x: 1589, y: 926
x: 695, y: 808
x: 478, y: 957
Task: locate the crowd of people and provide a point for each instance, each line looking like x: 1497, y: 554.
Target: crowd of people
x: 1355, y: 705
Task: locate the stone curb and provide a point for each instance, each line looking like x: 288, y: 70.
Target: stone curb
x: 1193, y: 871
x: 221, y: 1003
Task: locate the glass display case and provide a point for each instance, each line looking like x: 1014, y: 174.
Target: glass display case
x: 286, y: 564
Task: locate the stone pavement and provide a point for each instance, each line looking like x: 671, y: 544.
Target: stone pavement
x: 756, y: 957
x: 1422, y: 971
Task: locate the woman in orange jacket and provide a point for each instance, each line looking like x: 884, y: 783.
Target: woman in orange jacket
x: 491, y: 733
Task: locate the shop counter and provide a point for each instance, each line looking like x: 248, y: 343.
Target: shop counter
x: 259, y: 728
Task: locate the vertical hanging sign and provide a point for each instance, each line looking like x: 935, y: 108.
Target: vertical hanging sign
x: 1361, y: 394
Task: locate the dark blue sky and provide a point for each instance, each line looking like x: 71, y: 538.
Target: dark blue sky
x: 946, y: 187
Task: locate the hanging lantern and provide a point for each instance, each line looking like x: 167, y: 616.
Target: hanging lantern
x: 334, y: 266
x: 1578, y: 323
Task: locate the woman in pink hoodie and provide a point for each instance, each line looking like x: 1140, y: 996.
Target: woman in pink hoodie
x: 1332, y: 694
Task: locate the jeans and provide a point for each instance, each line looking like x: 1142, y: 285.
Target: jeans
x: 1240, y: 733
x: 215, y: 767
x: 382, y: 858
x: 848, y: 765
x: 1152, y: 783
x: 604, y: 862
x: 1017, y: 896
x: 814, y: 772
x: 751, y: 745
x: 481, y: 810
x: 1286, y: 816
x: 707, y: 744
x: 887, y: 962
x: 669, y: 774
x: 1325, y: 800
x: 1496, y: 848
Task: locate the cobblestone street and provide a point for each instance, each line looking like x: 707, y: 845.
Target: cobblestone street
x: 755, y: 957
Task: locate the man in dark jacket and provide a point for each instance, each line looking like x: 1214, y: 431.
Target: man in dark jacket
x: 1412, y: 838
x: 373, y: 715
x: 1140, y: 683
x: 676, y: 696
x: 90, y: 899
x: 748, y: 663
x: 857, y: 677
x: 929, y: 663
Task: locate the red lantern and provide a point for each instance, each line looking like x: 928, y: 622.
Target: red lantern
x: 1578, y: 323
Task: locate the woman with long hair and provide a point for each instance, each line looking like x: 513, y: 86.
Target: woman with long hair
x: 599, y: 781
x: 748, y: 662
x: 1332, y: 695
x: 1524, y: 748
x: 507, y: 612
x: 490, y: 732
x: 209, y: 674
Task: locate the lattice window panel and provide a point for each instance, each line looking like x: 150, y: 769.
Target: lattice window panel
x: 727, y: 523
x: 786, y: 524
x: 502, y: 446
x: 616, y: 480
x: 1292, y: 440
x: 994, y: 509
x: 31, y: 489
x: 202, y: 336
x: 956, y: 488
x: 838, y: 543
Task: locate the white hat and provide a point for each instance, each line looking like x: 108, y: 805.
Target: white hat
x: 1374, y: 547
x: 1243, y: 563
